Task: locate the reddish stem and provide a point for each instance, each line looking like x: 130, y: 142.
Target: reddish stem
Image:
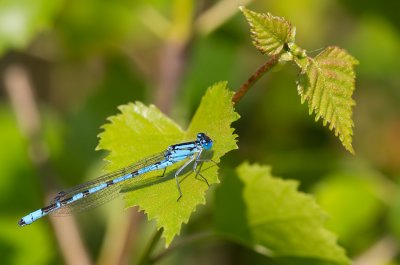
x: 254, y: 77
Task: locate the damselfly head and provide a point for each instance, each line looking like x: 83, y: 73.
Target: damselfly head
x: 204, y: 140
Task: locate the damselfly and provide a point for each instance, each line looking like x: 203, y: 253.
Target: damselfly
x: 106, y: 187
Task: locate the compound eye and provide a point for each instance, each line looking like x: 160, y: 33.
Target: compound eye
x: 207, y: 145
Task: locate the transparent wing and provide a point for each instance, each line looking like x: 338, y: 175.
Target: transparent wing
x: 90, y: 201
x: 102, y: 196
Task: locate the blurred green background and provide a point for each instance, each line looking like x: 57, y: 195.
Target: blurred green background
x: 66, y: 65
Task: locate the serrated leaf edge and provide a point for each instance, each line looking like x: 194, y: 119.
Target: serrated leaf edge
x: 186, y: 221
x: 293, y: 186
x: 252, y: 16
x: 351, y: 61
x: 137, y: 105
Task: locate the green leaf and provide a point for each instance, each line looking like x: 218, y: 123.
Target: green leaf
x: 327, y: 83
x: 269, y: 33
x: 21, y: 20
x: 140, y: 131
x: 271, y: 216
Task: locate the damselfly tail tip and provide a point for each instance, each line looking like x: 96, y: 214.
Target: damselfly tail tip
x: 21, y: 222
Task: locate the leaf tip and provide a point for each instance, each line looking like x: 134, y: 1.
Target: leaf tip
x: 349, y: 147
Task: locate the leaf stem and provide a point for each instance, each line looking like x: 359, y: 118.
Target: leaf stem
x: 254, y: 77
x: 145, y: 259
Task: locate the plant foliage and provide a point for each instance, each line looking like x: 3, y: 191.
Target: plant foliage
x: 326, y: 82
x: 269, y: 33
x: 140, y: 131
x: 271, y: 216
